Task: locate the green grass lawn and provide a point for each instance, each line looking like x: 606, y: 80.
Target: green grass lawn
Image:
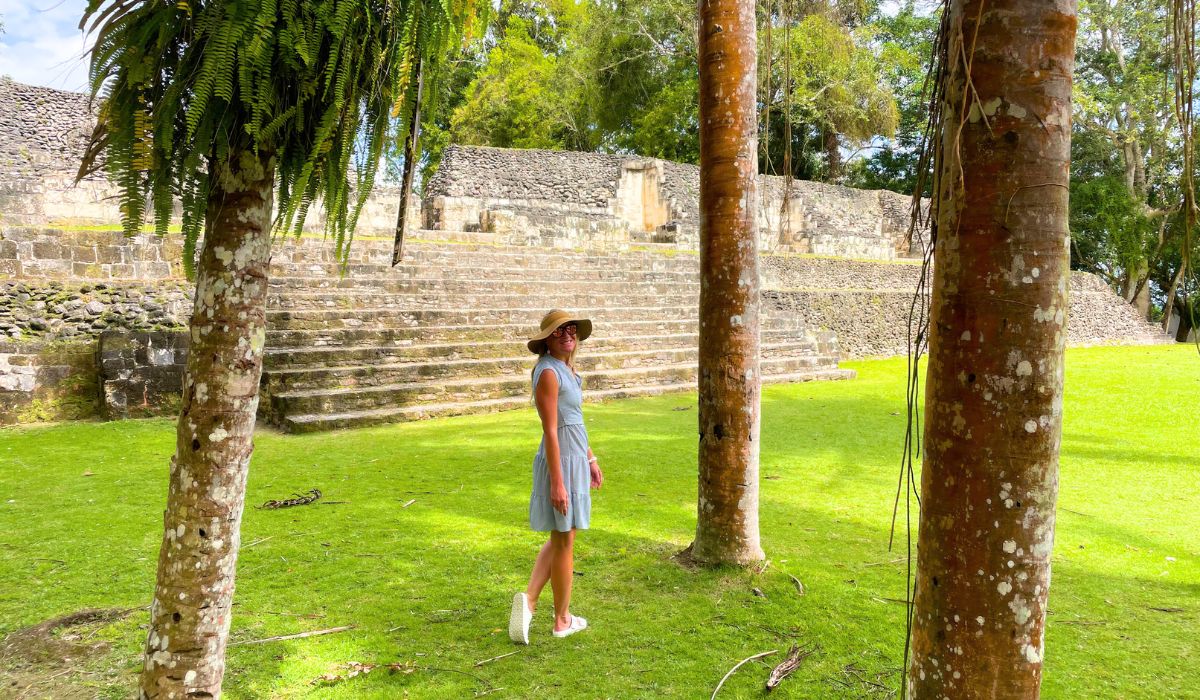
x: 429, y: 585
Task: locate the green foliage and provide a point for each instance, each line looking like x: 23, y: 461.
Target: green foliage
x: 905, y: 43
x: 430, y: 583
x: 313, y: 83
x: 1125, y: 131
x: 1109, y: 232
x: 523, y: 98
x: 623, y: 77
x: 839, y: 95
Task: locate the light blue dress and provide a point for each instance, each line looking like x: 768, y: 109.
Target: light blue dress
x: 573, y: 453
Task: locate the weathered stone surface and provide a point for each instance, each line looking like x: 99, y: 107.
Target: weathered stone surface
x: 141, y: 373
x: 590, y: 200
x: 47, y: 381
x: 49, y: 309
x: 43, y: 134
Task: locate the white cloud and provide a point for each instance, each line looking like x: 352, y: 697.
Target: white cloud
x: 41, y: 43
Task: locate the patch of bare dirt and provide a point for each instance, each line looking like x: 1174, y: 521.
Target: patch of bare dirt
x: 49, y: 659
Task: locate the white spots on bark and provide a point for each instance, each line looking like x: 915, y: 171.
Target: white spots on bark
x: 1031, y: 426
x: 1004, y: 587
x: 979, y: 619
x: 966, y: 336
x: 1033, y: 654
x: 1024, y: 369
x: 189, y: 677
x: 218, y: 435
x: 735, y: 320
x: 1009, y: 546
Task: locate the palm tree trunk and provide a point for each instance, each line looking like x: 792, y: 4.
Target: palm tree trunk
x: 727, y: 518
x: 190, y: 615
x: 995, y: 380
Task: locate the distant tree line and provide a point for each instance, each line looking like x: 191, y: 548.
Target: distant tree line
x: 843, y: 82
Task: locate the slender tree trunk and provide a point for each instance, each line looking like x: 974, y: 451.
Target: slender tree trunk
x: 833, y: 155
x: 727, y: 518
x: 190, y: 615
x: 994, y: 390
x: 1169, y: 306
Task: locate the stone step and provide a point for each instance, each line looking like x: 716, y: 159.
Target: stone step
x: 313, y: 422
x: 431, y: 253
x: 488, y: 332
x: 375, y: 373
x: 475, y: 272
x: 614, y: 286
x: 334, y: 355
x: 466, y: 389
x: 544, y: 299
x: 314, y: 319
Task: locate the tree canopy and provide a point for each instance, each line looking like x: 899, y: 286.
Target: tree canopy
x: 317, y: 84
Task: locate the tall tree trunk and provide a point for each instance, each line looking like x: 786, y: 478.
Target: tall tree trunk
x: 833, y: 155
x: 995, y: 379
x: 727, y: 517
x: 190, y: 615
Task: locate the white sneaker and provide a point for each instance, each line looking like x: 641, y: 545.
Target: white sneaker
x: 519, y: 619
x: 578, y: 624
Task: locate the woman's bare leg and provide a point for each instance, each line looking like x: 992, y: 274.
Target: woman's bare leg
x: 562, y: 549
x: 540, y: 575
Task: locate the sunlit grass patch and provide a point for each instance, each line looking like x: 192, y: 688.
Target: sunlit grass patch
x: 428, y: 585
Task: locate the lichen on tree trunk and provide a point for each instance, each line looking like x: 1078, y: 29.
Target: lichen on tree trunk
x: 190, y: 614
x: 995, y: 379
x: 729, y: 381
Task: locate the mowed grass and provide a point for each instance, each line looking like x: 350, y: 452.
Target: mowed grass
x: 429, y: 585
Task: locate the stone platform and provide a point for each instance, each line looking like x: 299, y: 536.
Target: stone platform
x: 442, y: 333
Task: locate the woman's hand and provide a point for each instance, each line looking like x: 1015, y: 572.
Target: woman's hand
x: 597, y: 475
x: 558, y: 497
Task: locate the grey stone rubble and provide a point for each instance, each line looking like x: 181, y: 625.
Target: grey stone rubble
x: 56, y: 310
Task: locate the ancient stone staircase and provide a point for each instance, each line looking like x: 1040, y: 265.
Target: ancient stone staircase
x: 442, y: 333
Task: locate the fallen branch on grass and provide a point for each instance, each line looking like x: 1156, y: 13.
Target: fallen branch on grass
x: 795, y: 657
x: 302, y: 635
x: 494, y: 658
x: 796, y: 582
x: 311, y: 496
x: 739, y: 665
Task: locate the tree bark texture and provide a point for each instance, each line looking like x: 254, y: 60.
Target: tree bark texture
x: 190, y: 614
x: 727, y: 518
x: 994, y: 386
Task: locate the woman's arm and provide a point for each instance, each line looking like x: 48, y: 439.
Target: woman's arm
x: 594, y: 468
x: 545, y: 397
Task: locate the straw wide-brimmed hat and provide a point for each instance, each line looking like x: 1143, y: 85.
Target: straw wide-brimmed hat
x: 553, y: 320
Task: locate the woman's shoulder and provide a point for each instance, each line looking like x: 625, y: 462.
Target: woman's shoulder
x: 544, y: 363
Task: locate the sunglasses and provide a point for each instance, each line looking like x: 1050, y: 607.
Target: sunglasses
x: 570, y: 329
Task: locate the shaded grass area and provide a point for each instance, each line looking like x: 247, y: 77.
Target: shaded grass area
x: 428, y: 585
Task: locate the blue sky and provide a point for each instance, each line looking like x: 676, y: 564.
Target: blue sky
x: 41, y: 43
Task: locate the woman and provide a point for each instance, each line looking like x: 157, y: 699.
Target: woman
x: 562, y: 471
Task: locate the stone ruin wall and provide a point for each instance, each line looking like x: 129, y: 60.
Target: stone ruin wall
x: 91, y: 321
x: 597, y: 200
x: 868, y: 304
x: 43, y: 135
